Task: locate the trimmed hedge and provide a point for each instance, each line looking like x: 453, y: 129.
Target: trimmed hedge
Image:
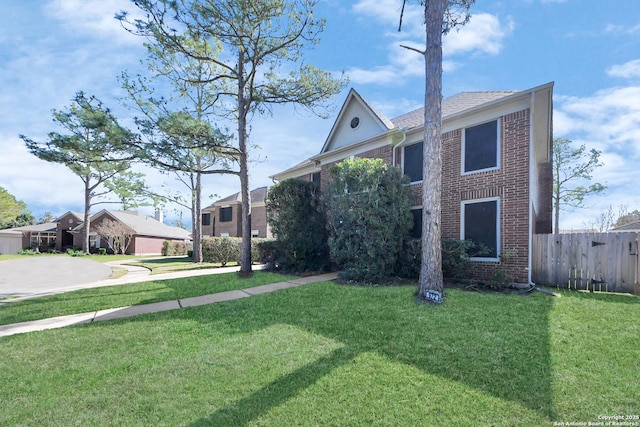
x: 223, y: 250
x: 368, y: 216
x: 295, y: 214
x: 173, y: 248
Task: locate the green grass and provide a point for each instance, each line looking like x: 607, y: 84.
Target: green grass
x: 93, y: 299
x: 171, y: 264
x: 326, y: 354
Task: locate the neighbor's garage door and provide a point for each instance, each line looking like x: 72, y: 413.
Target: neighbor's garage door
x: 10, y: 242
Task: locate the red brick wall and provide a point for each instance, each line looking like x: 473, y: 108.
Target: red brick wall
x: 259, y: 221
x: 233, y: 227
x: 510, y: 183
x: 144, y: 245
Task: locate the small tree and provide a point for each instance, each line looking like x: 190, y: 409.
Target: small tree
x: 13, y: 212
x: 261, y: 63
x: 117, y: 235
x: 296, y: 217
x: 96, y: 149
x: 571, y: 168
x: 368, y: 216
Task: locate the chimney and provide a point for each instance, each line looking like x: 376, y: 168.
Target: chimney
x: 159, y: 216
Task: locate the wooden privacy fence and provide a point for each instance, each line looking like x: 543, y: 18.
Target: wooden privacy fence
x: 587, y: 261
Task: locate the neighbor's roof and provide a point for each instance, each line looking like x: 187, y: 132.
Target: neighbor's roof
x: 632, y: 226
x: 142, y: 225
x: 451, y: 106
x: 257, y: 195
x: 47, y: 226
x: 148, y: 226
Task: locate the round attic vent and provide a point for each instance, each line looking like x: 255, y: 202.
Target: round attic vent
x: 355, y: 122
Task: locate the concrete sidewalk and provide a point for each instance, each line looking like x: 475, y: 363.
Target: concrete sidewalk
x: 135, y: 310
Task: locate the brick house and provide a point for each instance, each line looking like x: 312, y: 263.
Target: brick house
x: 497, y: 176
x: 149, y: 233
x: 223, y: 218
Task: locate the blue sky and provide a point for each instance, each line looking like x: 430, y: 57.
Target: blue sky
x: 49, y: 49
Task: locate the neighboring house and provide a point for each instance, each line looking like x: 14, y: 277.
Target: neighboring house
x: 41, y: 236
x: 67, y: 222
x: 149, y: 233
x: 497, y: 177
x: 632, y: 226
x: 223, y: 218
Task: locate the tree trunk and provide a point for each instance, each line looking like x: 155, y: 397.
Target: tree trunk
x: 431, y: 287
x: 556, y: 215
x: 87, y: 216
x: 245, y: 259
x: 197, y: 218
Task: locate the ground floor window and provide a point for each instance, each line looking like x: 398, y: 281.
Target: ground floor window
x: 416, y: 230
x: 480, y: 223
x: 43, y: 238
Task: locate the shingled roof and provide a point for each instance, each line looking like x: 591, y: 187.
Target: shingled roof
x: 257, y: 195
x: 144, y: 225
x: 450, y: 106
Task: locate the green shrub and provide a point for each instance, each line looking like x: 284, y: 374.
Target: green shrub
x: 102, y: 251
x: 28, y: 251
x: 76, y: 252
x: 368, y: 216
x: 456, y: 260
x: 174, y: 248
x: 221, y: 250
x: 296, y: 216
x: 408, y: 265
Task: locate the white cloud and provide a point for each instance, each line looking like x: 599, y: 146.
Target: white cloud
x: 627, y: 70
x: 484, y: 34
x: 609, y: 121
x: 95, y: 17
x: 617, y: 29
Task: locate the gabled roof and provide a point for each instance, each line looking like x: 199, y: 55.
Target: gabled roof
x: 257, y: 195
x: 354, y: 99
x: 143, y: 225
x: 392, y: 132
x: 78, y: 215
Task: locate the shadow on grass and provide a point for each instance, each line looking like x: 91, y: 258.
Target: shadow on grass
x: 497, y: 344
x: 602, y: 296
x: 277, y: 392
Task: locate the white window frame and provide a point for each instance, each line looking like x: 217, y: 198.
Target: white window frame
x: 498, y: 234
x: 404, y: 156
x: 498, y: 148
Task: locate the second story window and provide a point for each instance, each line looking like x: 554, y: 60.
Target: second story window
x: 412, y: 162
x: 481, y: 148
x: 206, y: 219
x: 226, y: 214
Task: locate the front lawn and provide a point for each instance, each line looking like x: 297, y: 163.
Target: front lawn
x: 325, y: 354
x: 171, y: 264
x: 93, y: 299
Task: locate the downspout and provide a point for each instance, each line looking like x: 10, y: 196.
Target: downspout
x: 531, y: 166
x: 532, y: 285
x: 397, y: 144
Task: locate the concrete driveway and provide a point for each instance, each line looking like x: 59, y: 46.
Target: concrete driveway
x: 48, y: 274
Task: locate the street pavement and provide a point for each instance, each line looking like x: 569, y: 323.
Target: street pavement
x: 48, y: 274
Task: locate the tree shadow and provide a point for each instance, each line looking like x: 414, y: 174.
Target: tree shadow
x: 494, y: 343
x: 277, y: 392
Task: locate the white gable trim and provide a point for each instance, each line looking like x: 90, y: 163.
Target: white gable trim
x: 344, y: 118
